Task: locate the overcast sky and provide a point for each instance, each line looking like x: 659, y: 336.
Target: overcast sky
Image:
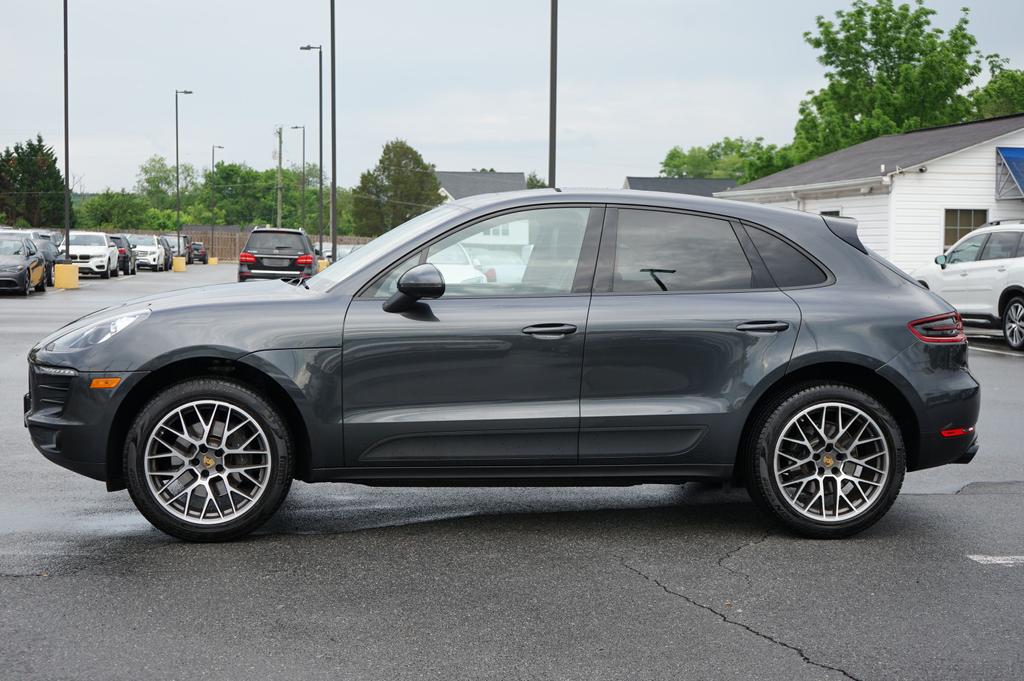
x: 464, y: 81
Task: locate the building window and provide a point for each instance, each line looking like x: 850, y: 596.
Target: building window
x: 960, y: 221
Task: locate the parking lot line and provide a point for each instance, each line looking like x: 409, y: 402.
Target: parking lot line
x: 997, y: 352
x: 998, y: 560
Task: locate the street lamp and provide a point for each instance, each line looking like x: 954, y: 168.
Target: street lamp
x: 553, y: 93
x: 303, y: 129
x: 320, y: 142
x: 334, y: 145
x: 213, y: 194
x: 177, y: 168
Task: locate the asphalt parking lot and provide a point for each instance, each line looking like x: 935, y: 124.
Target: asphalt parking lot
x: 649, y: 582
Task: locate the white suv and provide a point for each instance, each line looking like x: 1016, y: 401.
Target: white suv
x: 982, y: 276
x: 94, y: 252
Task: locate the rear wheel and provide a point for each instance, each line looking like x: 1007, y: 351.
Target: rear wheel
x: 828, y: 461
x: 208, y: 460
x: 1013, y: 323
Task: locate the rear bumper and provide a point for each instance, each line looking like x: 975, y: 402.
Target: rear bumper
x: 943, y: 395
x: 245, y: 273
x: 69, y: 422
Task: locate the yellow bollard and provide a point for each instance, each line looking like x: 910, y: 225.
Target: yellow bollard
x: 321, y: 265
x: 178, y: 264
x: 213, y: 261
x: 65, y: 276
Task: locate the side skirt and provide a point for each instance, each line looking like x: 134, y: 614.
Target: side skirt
x: 523, y: 476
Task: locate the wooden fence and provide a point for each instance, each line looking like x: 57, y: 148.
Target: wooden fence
x: 226, y: 241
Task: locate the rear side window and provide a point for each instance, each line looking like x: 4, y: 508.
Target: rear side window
x: 659, y: 251
x: 262, y: 242
x: 118, y: 241
x: 788, y: 266
x: 1000, y: 245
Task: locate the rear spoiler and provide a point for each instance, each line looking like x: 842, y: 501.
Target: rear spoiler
x: 845, y: 229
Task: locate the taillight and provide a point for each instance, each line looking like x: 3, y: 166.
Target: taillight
x: 956, y: 432
x: 120, y: 251
x: 942, y: 328
x: 304, y: 260
x: 246, y: 258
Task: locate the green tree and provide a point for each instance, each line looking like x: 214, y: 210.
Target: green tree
x: 730, y: 157
x: 31, y: 185
x: 1003, y: 94
x: 535, y: 181
x: 114, y: 210
x: 155, y: 181
x: 401, y: 186
x: 888, y: 70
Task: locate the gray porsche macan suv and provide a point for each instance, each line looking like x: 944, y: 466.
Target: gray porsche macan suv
x: 534, y: 338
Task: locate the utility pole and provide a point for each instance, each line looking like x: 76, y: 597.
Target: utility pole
x: 320, y: 141
x: 213, y: 193
x: 280, y: 189
x: 177, y: 170
x: 553, y: 94
x: 67, y: 164
x: 334, y: 148
x: 303, y: 207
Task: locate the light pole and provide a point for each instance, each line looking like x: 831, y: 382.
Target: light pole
x: 303, y: 208
x: 67, y: 185
x: 320, y: 142
x: 177, y: 169
x: 334, y: 148
x: 213, y: 194
x: 553, y: 94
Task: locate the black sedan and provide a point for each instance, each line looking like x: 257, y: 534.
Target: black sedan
x: 22, y: 266
x: 723, y: 341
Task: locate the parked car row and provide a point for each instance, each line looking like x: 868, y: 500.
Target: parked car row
x: 28, y: 256
x: 982, y: 276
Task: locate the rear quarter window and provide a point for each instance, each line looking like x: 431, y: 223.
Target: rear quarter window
x: 788, y: 266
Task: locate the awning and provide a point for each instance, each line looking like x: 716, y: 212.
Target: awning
x: 1010, y: 172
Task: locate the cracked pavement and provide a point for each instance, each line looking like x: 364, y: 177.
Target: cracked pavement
x: 650, y: 582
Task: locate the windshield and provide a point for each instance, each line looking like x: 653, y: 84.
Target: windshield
x: 9, y: 246
x: 369, y: 252
x: 88, y: 240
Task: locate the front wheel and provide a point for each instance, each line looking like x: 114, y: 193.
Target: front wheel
x: 828, y: 461
x: 1013, y: 324
x: 208, y: 459
x: 41, y: 286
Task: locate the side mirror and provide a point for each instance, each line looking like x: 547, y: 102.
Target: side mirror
x: 317, y: 251
x: 421, y: 282
x: 941, y: 261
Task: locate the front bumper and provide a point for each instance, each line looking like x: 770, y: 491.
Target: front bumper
x: 96, y: 265
x: 13, y: 281
x: 70, y: 423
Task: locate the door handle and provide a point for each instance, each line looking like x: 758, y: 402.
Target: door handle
x: 1000, y: 269
x: 549, y: 331
x: 763, y: 327
x: 963, y: 274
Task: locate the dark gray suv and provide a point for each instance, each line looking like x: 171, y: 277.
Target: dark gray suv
x: 534, y: 338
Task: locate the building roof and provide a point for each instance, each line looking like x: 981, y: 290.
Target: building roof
x: 697, y: 186
x: 864, y: 160
x: 459, y: 184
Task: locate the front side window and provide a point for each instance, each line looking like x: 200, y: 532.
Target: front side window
x: 527, y: 253
x: 658, y: 251
x: 1000, y: 245
x: 960, y: 221
x: 967, y: 251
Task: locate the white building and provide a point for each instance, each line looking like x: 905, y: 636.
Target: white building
x: 915, y: 194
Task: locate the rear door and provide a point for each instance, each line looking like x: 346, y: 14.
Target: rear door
x: 684, y: 322
x: 488, y: 374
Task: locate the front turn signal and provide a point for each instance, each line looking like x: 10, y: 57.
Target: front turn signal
x: 105, y: 382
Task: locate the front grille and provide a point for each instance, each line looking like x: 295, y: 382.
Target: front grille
x: 48, y: 393
x: 82, y: 258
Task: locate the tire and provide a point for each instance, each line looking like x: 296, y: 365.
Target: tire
x: 147, y: 436
x: 105, y: 274
x: 27, y: 289
x: 49, y: 275
x: 41, y: 286
x: 775, y: 437
x: 1013, y: 323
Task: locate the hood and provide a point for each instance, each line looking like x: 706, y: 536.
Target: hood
x: 6, y: 260
x: 88, y: 250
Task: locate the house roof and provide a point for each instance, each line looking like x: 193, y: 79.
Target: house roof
x: 697, y: 186
x: 460, y: 184
x: 864, y: 160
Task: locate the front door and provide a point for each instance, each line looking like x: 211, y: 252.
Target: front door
x: 958, y: 278
x: 989, y: 275
x: 682, y: 327
x: 488, y: 374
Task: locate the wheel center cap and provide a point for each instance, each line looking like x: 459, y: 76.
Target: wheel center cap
x: 827, y: 460
x: 209, y: 461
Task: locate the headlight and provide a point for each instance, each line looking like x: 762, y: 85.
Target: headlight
x: 12, y: 268
x: 96, y: 333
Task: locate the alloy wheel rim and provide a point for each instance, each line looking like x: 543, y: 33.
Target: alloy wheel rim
x: 207, y: 462
x: 831, y: 462
x: 1015, y: 324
